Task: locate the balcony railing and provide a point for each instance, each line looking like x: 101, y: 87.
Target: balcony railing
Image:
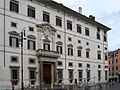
x: 47, y: 53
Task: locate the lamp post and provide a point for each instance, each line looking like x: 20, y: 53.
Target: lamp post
x: 22, y: 37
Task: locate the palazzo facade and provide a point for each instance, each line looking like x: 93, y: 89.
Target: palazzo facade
x: 60, y: 45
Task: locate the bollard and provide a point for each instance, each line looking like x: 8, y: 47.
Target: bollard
x: 12, y: 85
x: 63, y: 85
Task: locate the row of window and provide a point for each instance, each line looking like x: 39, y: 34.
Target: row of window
x: 80, y: 75
x: 114, y: 61
x: 32, y: 74
x: 15, y: 59
x: 70, y: 64
x: 14, y: 42
x: 113, y: 68
x: 14, y: 6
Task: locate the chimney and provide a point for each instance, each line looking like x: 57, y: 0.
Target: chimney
x: 91, y: 17
x: 80, y: 10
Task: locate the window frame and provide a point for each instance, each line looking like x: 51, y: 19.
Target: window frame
x: 31, y: 14
x: 46, y: 17
x: 15, y: 40
x: 34, y: 44
x: 17, y: 59
x: 79, y: 30
x: 16, y: 7
x: 59, y: 49
x: 69, y: 25
x: 48, y: 46
x: 58, y: 21
x: 87, y: 31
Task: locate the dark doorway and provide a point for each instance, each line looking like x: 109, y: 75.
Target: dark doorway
x: 47, y: 73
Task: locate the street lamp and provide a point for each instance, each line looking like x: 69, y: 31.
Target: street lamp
x: 22, y: 37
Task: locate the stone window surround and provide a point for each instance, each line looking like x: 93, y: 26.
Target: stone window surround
x: 14, y: 61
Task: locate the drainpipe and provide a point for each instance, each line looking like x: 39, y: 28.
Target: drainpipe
x: 4, y: 33
x: 65, y: 38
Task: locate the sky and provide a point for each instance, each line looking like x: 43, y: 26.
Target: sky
x: 106, y: 12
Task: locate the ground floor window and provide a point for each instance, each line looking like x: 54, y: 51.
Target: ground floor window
x: 71, y: 75
x: 80, y: 75
x: 99, y: 75
x: 32, y: 75
x: 60, y: 75
x: 106, y: 75
x: 14, y: 74
x: 88, y: 75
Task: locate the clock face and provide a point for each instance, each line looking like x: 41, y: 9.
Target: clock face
x: 46, y: 30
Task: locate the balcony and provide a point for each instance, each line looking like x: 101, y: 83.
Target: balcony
x: 47, y: 53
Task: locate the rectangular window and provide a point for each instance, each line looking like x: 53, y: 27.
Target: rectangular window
x: 32, y: 74
x: 70, y: 51
x: 31, y: 12
x: 14, y: 73
x: 116, y: 67
x: 112, y: 61
x: 58, y: 36
x: 69, y: 39
x: 88, y: 65
x: 59, y: 63
x: 106, y: 58
x: 99, y: 66
x: 78, y: 28
x: 87, y: 54
x: 14, y: 59
x: 14, y: 42
x: 58, y: 21
x: 31, y: 29
x: 31, y: 60
x: 80, y: 74
x: 88, y: 75
x: 69, y: 25
x: 31, y: 45
x: 46, y: 17
x: 13, y: 24
x: 86, y: 31
x: 79, y: 53
x: 60, y: 74
x: 59, y: 49
x: 112, y: 68
x: 98, y: 36
x: 14, y: 6
x: 79, y: 65
x: 98, y: 29
x: 70, y: 64
x: 116, y: 60
x: 99, y: 75
x: 46, y: 46
x: 106, y: 75
x: 99, y: 56
x: 70, y: 74
x: 105, y: 39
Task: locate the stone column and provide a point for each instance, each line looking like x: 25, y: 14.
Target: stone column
x: 41, y: 72
x: 52, y: 75
x: 55, y: 72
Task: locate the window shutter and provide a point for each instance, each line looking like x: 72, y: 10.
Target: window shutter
x: 10, y: 41
x: 61, y: 50
x: 57, y: 48
x: 72, y: 52
x: 48, y: 18
x: 17, y: 42
x: 68, y: 52
x: 48, y: 47
x: 28, y: 44
x: 34, y: 45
